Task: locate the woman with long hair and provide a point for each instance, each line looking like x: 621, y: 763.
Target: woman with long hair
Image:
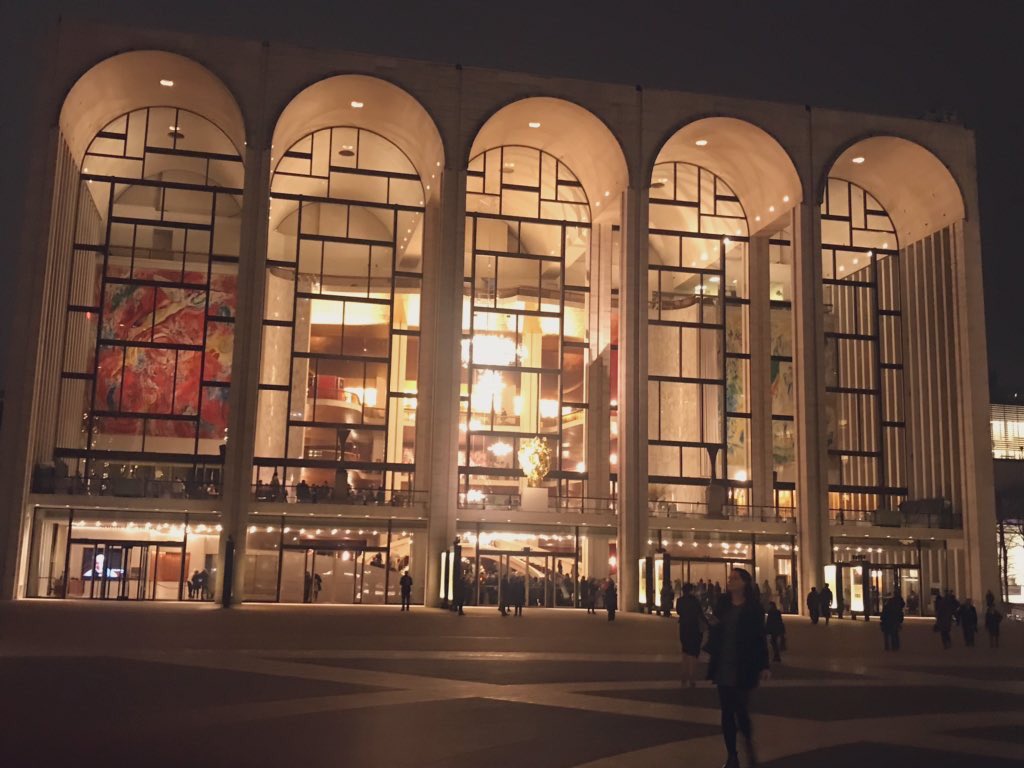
x: 739, y: 660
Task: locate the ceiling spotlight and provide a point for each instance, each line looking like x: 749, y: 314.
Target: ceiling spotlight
x: 533, y: 124
x: 658, y: 183
x: 167, y: 83
x: 785, y: 198
x: 771, y: 209
x: 757, y: 218
x: 701, y: 142
x: 357, y: 105
x: 858, y: 160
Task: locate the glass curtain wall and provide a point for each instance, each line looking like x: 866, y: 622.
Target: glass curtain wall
x: 340, y: 358
x: 150, y: 309
x: 698, y: 370
x: 863, y: 353
x: 525, y: 322
x: 780, y: 257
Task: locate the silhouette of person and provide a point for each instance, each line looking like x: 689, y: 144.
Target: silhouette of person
x: 611, y: 600
x: 691, y: 632
x: 406, y: 585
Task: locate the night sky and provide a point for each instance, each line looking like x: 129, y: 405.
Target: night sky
x: 901, y: 58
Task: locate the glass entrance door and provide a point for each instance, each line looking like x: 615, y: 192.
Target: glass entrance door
x: 336, y: 575
x: 124, y: 570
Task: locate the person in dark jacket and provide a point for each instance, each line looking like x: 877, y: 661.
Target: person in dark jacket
x: 691, y: 632
x: 813, y: 604
x: 668, y: 598
x: 993, y: 618
x: 406, y: 584
x: 944, y: 612
x: 825, y: 603
x: 611, y: 600
x: 739, y: 660
x: 969, y: 622
x: 892, y: 623
x: 776, y: 630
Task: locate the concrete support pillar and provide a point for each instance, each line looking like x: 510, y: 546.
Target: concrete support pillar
x: 633, y: 517
x: 437, y: 430
x: 245, y: 366
x: 979, y: 509
x: 759, y: 396
x: 811, y: 422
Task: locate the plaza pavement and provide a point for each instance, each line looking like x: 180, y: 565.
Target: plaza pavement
x: 120, y: 684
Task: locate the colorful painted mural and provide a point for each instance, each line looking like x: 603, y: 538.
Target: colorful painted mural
x: 160, y: 378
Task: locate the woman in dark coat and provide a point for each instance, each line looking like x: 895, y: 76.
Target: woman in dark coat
x: 691, y: 632
x: 611, y: 600
x: 739, y: 660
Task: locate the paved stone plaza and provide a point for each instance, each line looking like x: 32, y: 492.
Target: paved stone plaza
x: 188, y: 686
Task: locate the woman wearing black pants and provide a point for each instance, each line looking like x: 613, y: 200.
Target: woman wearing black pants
x: 739, y: 660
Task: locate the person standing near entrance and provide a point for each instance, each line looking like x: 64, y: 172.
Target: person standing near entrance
x: 518, y: 587
x: 668, y: 596
x: 739, y: 660
x: 944, y: 620
x: 406, y: 584
x: 825, y: 603
x: 691, y: 632
x: 776, y: 630
x: 611, y: 599
x: 813, y: 604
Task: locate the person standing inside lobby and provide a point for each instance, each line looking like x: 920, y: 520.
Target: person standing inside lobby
x: 406, y: 584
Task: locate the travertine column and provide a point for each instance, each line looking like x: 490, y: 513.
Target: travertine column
x: 632, y: 395
x: 245, y: 367
x: 437, y: 429
x: 759, y: 395
x: 598, y: 449
x: 972, y: 363
x: 811, y: 424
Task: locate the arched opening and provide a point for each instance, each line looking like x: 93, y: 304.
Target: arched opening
x: 355, y: 168
x: 135, y: 371
x: 890, y: 231
x: 539, y: 342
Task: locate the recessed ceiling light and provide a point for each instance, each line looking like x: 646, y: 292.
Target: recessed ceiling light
x: 701, y: 142
x: 785, y: 198
x: 166, y: 83
x: 858, y: 160
x: 357, y: 105
x: 533, y: 124
x: 856, y: 262
x: 658, y: 183
x: 771, y: 209
x: 757, y: 218
x: 606, y: 193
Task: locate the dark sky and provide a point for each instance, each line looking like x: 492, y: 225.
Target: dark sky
x: 902, y: 58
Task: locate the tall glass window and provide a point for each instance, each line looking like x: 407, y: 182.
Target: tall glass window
x: 699, y: 360
x: 780, y: 288
x: 151, y: 307
x: 340, y: 360
x: 863, y: 352
x: 525, y: 351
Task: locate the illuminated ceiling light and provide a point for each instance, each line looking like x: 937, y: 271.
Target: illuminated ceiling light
x: 581, y: 467
x: 607, y: 192
x: 533, y: 124
x: 167, y: 83
x: 785, y: 198
x: 741, y: 476
x: 701, y: 142
x: 757, y: 218
x: 703, y: 257
x: 856, y: 262
x: 357, y: 105
x: 771, y: 209
x: 885, y: 245
x: 858, y: 160
x: 715, y: 279
x: 842, y: 269
x: 501, y: 449
x: 347, y: 151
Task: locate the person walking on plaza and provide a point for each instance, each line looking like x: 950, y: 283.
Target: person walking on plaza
x: 691, y: 632
x: 739, y: 660
x: 813, y: 604
x: 611, y: 599
x: 825, y: 603
x: 776, y: 630
x: 969, y: 621
x: 944, y: 620
x: 406, y: 584
x: 585, y: 598
x: 892, y: 623
x: 993, y: 618
x: 504, y: 596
